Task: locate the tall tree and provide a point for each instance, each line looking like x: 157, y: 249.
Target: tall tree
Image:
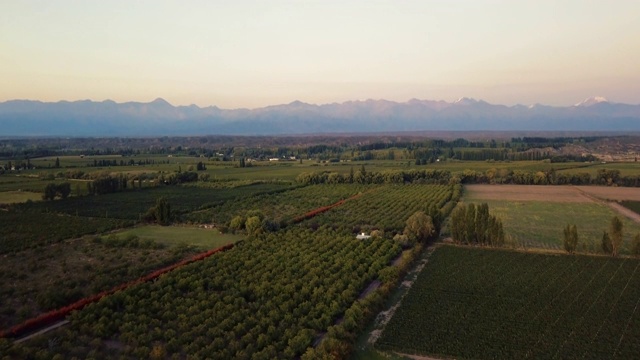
x: 419, y: 227
x: 606, y: 243
x: 63, y: 190
x: 50, y: 191
x: 470, y: 224
x: 615, y: 231
x: 482, y: 223
x: 570, y: 238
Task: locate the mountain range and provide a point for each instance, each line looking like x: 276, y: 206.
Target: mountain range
x: 158, y: 118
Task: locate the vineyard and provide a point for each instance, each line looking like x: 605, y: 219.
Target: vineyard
x: 269, y: 297
x: 387, y: 207
x: 476, y: 303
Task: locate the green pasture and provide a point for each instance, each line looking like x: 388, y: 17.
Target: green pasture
x: 174, y: 235
x: 36, y: 185
x: 540, y: 224
x: 12, y: 197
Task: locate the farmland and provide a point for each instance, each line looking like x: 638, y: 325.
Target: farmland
x: 298, y: 283
x: 474, y: 303
x: 534, y: 216
x: 269, y: 297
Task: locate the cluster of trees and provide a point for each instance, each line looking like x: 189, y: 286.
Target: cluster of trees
x: 421, y: 227
x: 178, y: 178
x: 473, y: 224
x: 107, y: 184
x: 611, y: 242
x: 606, y: 177
x: 253, y: 222
x: 362, y: 176
x: 160, y: 212
x: 53, y: 190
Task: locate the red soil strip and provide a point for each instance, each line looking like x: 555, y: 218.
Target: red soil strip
x: 322, y: 209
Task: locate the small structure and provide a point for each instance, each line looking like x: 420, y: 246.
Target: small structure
x: 362, y: 236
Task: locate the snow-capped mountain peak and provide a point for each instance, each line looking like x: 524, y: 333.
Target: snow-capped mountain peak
x: 465, y: 101
x: 592, y: 101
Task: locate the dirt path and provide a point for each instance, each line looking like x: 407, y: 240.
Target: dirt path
x: 612, y: 204
x: 624, y: 211
x: 42, y: 331
x: 384, y: 316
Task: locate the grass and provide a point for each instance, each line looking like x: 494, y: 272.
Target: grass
x: 173, y: 235
x: 540, y: 224
x: 12, y: 197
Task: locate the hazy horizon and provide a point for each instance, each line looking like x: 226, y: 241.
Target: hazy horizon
x: 251, y: 54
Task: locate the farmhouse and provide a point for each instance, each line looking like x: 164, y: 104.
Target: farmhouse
x: 362, y: 236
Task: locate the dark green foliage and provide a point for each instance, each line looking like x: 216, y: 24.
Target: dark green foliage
x: 160, y: 213
x: 132, y: 204
x: 49, y: 192
x: 570, y: 239
x: 23, y: 230
x: 267, y: 298
x: 471, y: 303
x: 53, y: 190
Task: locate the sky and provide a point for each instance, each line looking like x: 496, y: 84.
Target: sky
x: 234, y: 54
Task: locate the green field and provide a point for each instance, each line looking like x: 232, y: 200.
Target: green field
x: 173, y: 235
x: 12, y: 197
x: 540, y: 224
x: 497, y: 304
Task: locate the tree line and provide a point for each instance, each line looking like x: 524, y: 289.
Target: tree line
x: 472, y: 224
x: 611, y: 241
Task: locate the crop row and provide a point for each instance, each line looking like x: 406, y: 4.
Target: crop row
x: 499, y: 304
x: 386, y: 207
x: 267, y: 298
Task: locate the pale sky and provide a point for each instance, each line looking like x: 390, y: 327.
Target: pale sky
x: 256, y: 53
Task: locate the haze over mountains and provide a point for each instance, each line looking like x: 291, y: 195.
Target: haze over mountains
x: 156, y: 118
